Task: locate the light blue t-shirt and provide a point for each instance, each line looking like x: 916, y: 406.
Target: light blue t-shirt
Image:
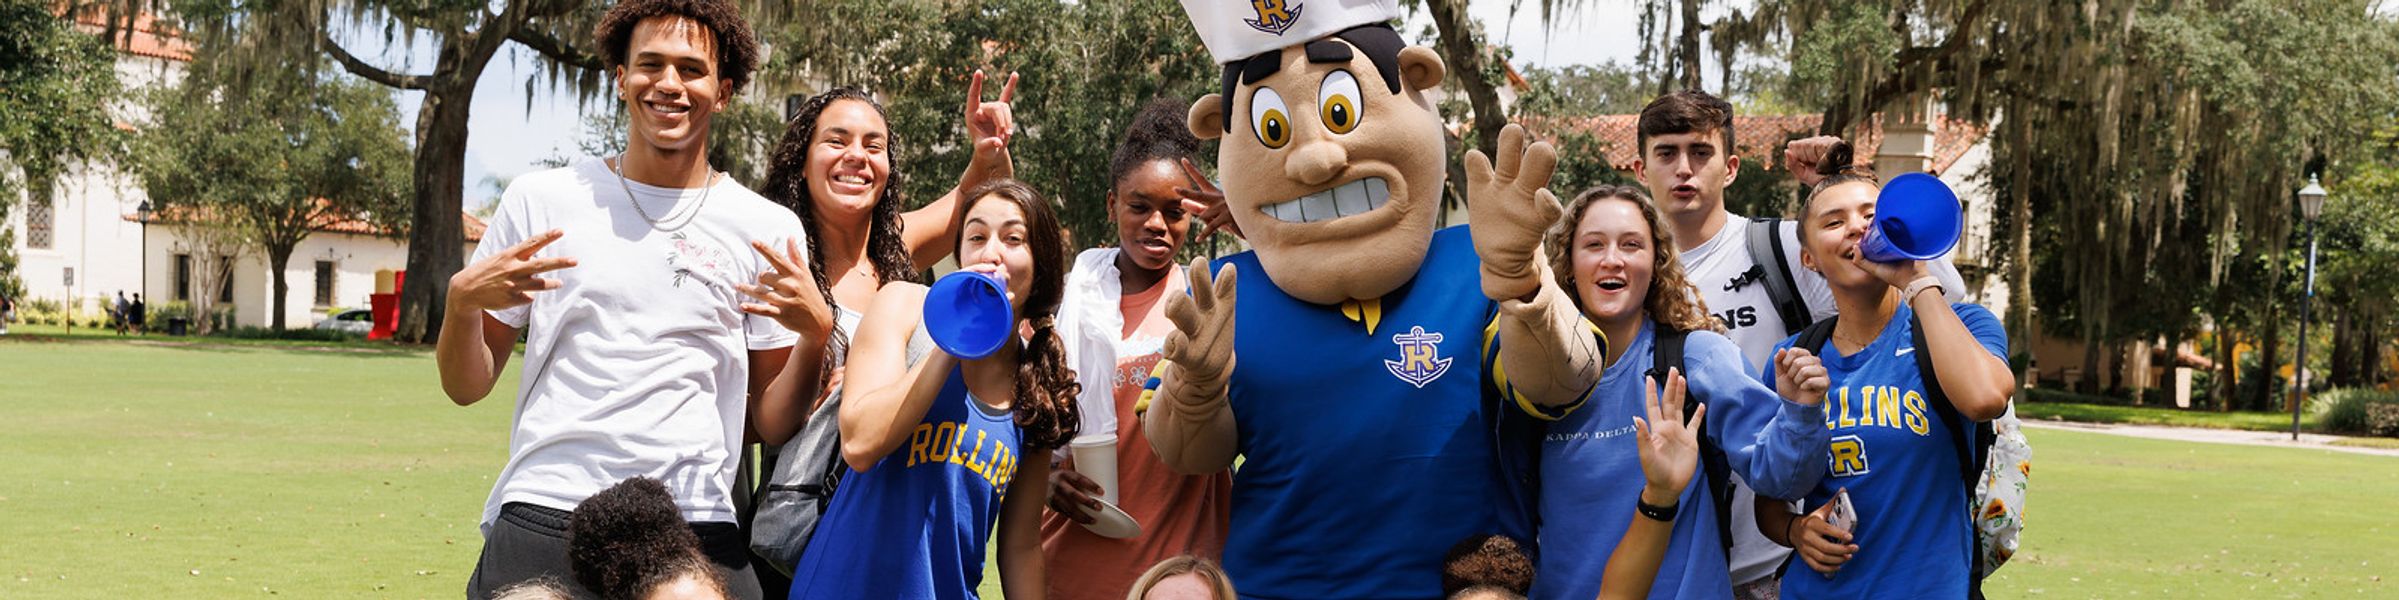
x: 1896, y: 454
x: 1591, y: 469
x: 915, y: 525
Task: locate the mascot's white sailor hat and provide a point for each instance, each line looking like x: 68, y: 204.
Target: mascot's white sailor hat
x: 1238, y: 29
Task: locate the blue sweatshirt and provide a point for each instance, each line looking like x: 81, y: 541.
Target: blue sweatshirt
x: 1591, y: 469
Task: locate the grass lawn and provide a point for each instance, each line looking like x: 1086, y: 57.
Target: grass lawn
x: 24, y: 331
x: 233, y: 471
x: 259, y: 471
x: 2120, y: 517
x: 2168, y: 417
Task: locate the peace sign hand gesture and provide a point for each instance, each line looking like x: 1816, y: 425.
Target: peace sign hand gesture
x: 1203, y: 198
x: 507, y: 279
x: 788, y: 294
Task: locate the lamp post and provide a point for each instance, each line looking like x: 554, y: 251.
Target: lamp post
x: 143, y: 214
x: 2311, y: 205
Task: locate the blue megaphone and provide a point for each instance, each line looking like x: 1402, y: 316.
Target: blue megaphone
x: 967, y: 314
x: 1916, y: 217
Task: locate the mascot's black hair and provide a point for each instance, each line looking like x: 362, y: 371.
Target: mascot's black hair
x: 1377, y: 40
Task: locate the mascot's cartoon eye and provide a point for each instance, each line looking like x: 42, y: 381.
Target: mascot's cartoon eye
x: 1338, y: 99
x: 1271, y: 118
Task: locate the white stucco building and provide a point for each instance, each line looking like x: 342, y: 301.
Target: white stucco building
x: 83, y: 239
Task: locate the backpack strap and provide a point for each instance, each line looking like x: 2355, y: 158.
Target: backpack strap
x: 1972, y: 441
x: 1813, y: 337
x: 1774, y: 266
x: 1666, y: 352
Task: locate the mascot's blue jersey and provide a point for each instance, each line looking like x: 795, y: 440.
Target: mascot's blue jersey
x: 1366, y: 454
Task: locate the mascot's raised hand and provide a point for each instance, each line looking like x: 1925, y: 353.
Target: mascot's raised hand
x: 1508, y: 207
x: 1193, y: 432
x: 1201, y: 346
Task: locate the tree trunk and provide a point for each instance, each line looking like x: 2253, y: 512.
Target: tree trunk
x: 2269, y: 358
x: 278, y: 257
x: 2370, y: 356
x: 1464, y: 53
x: 1689, y: 54
x: 2020, y: 303
x: 2090, y: 364
x: 2340, y: 363
x: 2129, y: 369
x: 2228, y: 367
x: 1724, y: 69
x: 436, y: 240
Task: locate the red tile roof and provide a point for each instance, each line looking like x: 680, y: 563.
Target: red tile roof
x: 472, y: 227
x: 1759, y: 137
x: 149, y: 38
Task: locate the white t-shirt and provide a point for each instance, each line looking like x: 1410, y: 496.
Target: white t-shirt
x: 1720, y: 268
x: 638, y: 364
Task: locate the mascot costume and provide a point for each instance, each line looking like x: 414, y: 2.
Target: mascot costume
x: 1364, y: 366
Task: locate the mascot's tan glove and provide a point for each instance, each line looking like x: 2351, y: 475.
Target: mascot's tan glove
x: 1548, y: 351
x: 1190, y: 424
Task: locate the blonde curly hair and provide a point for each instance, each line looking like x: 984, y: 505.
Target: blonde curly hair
x: 1220, y: 585
x: 1671, y: 301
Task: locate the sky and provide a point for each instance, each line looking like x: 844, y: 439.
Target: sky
x: 506, y: 138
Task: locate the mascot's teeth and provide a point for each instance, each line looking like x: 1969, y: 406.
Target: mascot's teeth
x: 1353, y: 198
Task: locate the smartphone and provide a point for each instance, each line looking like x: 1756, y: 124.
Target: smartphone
x: 1844, y: 514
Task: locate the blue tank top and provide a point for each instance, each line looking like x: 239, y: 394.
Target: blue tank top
x: 916, y: 524
x: 1367, y: 455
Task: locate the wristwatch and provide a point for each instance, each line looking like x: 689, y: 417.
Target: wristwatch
x: 1662, y: 514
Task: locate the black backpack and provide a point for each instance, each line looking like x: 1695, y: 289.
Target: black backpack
x: 1666, y: 351
x: 1973, y: 440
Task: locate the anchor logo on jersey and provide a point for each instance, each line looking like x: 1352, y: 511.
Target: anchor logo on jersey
x: 1274, y: 16
x: 1420, y: 357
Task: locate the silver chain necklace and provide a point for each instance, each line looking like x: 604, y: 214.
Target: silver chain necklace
x: 659, y: 224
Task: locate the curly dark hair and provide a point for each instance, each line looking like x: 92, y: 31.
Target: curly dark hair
x: 1159, y: 132
x: 1045, y: 383
x: 629, y: 539
x: 736, y: 45
x: 1486, y: 560
x: 787, y: 184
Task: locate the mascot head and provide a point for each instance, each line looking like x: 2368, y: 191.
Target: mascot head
x: 1331, y: 155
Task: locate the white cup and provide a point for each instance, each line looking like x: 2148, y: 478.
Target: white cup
x: 1096, y: 459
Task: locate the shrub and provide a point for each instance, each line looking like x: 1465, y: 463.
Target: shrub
x: 220, y: 317
x: 301, y: 334
x: 2042, y: 394
x: 161, y: 312
x: 2157, y: 396
x: 2359, y: 412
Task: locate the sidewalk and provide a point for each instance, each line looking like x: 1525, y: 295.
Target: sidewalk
x: 2314, y: 441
